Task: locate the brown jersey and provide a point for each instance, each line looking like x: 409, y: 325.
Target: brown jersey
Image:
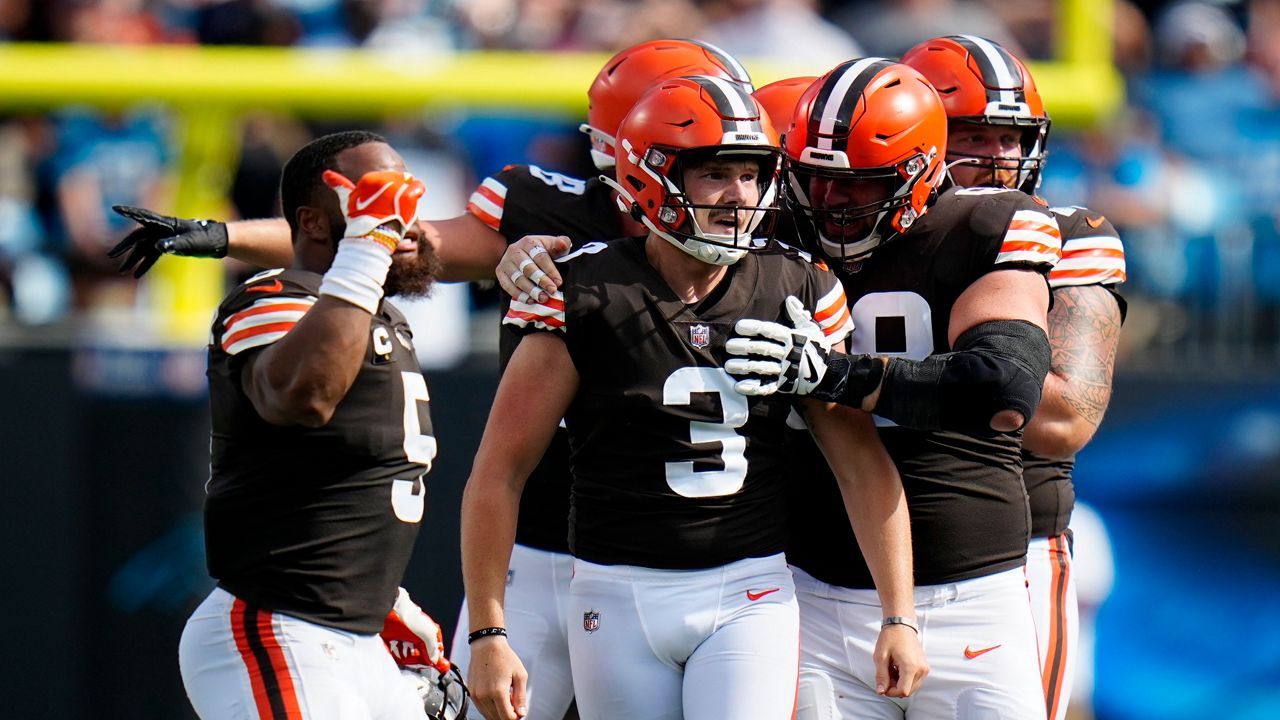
x: 1092, y: 254
x: 527, y: 200
x: 672, y: 467
x: 969, y: 514
x: 317, y: 523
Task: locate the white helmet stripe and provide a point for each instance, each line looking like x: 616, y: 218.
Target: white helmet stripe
x: 836, y: 100
x: 729, y: 62
x: 733, y: 103
x: 999, y: 65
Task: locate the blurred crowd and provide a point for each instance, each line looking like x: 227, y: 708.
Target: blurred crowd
x: 1188, y: 170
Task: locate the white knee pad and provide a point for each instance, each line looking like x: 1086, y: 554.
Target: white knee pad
x: 816, y: 697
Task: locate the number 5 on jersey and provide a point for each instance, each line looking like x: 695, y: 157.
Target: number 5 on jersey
x: 408, y: 497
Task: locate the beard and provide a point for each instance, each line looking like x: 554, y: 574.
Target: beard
x: 413, y: 277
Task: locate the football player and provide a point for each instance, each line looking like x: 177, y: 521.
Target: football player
x: 997, y: 132
x: 518, y: 201
x: 948, y: 295
x: 780, y: 97
x: 526, y: 267
x: 321, y: 438
x: 681, y: 600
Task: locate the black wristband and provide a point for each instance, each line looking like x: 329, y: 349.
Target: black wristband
x: 849, y: 379
x: 486, y: 632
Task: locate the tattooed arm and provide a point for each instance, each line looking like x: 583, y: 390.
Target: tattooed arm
x: 1084, y: 328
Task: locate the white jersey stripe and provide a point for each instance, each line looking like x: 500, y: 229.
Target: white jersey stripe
x: 1092, y: 242
x: 1027, y: 256
x: 495, y: 187
x: 486, y: 205
x: 289, y: 316
x: 254, y: 341
x: 548, y: 314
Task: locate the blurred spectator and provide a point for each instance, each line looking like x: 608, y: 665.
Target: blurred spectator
x: 100, y: 161
x: 1031, y: 23
x: 1264, y: 41
x: 890, y: 29
x: 1131, y: 43
x: 1200, y: 87
x: 422, y: 27
x: 33, y: 284
x: 124, y: 22
x: 652, y: 19
x: 788, y: 32
x: 1095, y: 568
x: 245, y: 22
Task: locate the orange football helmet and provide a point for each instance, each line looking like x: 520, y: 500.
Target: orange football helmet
x: 981, y: 82
x: 780, y: 98
x: 630, y: 73
x: 864, y: 157
x: 688, y: 120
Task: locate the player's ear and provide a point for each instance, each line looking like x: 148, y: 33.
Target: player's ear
x: 315, y: 226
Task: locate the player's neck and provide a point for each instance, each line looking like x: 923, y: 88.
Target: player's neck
x: 690, y: 278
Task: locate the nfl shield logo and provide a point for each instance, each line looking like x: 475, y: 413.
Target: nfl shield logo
x: 590, y: 621
x: 699, y: 336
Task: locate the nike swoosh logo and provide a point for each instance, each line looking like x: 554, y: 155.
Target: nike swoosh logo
x: 366, y: 202
x: 971, y: 654
x: 754, y: 596
x: 276, y: 286
x: 1095, y: 224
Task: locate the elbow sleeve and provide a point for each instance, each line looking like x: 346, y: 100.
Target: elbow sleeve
x: 995, y: 366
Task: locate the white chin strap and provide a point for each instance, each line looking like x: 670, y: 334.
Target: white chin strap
x: 604, y: 161
x: 849, y: 251
x: 708, y: 253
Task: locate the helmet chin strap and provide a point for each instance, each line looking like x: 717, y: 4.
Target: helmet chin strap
x: 706, y: 252
x: 604, y: 161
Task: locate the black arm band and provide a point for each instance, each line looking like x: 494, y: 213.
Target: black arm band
x: 995, y: 366
x: 849, y: 379
x: 486, y: 632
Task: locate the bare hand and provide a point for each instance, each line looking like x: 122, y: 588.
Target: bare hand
x: 900, y: 661
x: 497, y: 680
x: 528, y: 269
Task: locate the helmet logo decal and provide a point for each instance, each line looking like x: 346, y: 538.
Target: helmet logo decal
x: 699, y: 336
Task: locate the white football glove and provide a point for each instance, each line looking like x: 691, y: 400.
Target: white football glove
x: 794, y: 357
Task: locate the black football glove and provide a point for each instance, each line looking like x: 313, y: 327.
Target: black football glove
x: 161, y: 234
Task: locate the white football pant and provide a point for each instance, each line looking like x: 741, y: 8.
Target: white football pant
x: 709, y: 644
x: 242, y: 663
x: 1052, y: 586
x: 536, y: 605
x: 977, y: 636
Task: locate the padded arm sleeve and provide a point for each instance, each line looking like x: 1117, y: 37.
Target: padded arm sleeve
x: 997, y: 365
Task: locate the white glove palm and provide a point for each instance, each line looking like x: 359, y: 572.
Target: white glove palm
x: 778, y: 358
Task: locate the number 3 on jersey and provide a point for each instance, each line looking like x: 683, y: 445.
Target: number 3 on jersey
x: 681, y: 477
